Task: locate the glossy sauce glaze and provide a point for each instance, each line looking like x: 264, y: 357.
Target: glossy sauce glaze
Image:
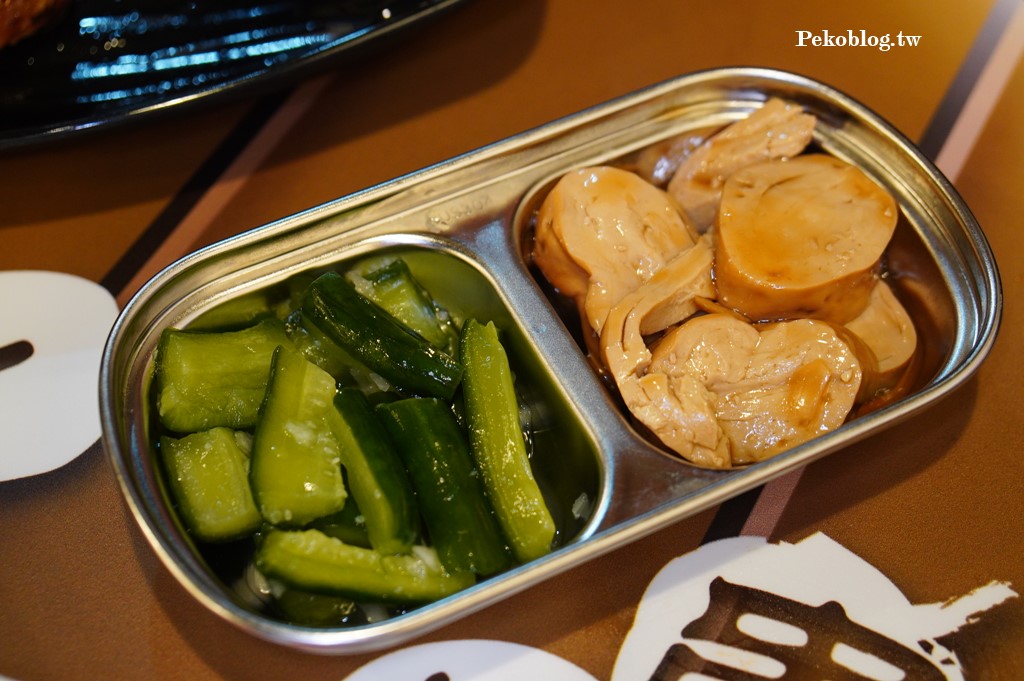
x: 747, y: 333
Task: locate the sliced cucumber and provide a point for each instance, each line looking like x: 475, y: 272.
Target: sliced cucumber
x: 388, y: 281
x: 296, y: 464
x: 208, y: 473
x: 382, y: 343
x: 310, y: 560
x: 348, y: 525
x: 498, y: 446
x: 206, y: 380
x: 459, y: 520
x: 376, y: 475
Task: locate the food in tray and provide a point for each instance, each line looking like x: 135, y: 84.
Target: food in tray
x: 358, y: 445
x: 801, y: 237
x: 777, y: 130
x: 738, y: 304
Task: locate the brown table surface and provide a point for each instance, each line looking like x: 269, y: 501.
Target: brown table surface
x: 935, y: 503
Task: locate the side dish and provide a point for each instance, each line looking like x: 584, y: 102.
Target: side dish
x: 732, y: 289
x: 292, y: 483
x: 354, y: 443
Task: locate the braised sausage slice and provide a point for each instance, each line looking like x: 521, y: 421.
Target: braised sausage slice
x: 888, y: 332
x: 602, y: 232
x: 769, y: 387
x: 776, y: 130
x: 801, y: 237
x: 681, y: 419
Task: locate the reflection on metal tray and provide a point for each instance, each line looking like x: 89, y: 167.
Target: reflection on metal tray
x: 106, y: 61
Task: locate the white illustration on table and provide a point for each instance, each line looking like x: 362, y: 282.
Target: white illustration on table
x: 53, y: 330
x: 742, y: 609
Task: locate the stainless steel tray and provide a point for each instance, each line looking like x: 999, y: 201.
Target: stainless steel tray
x: 465, y: 224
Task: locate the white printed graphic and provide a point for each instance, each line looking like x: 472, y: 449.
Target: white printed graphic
x: 844, y: 614
x: 470, y: 661
x: 744, y: 608
x: 54, y: 327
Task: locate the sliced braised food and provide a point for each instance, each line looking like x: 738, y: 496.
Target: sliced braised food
x: 801, y: 238
x: 659, y: 162
x: 601, y: 233
x: 770, y: 323
x: 776, y: 130
x: 685, y: 427
x: 887, y: 330
x: 768, y: 387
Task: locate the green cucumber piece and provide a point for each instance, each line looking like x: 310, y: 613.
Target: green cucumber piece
x: 459, y: 520
x: 378, y: 340
x: 208, y: 474
x: 376, y: 476
x: 237, y: 313
x: 296, y: 463
x: 318, y: 348
x: 315, y: 610
x: 326, y: 354
x: 498, y: 446
x: 312, y: 561
x: 206, y: 380
x: 348, y: 525
x: 388, y: 282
